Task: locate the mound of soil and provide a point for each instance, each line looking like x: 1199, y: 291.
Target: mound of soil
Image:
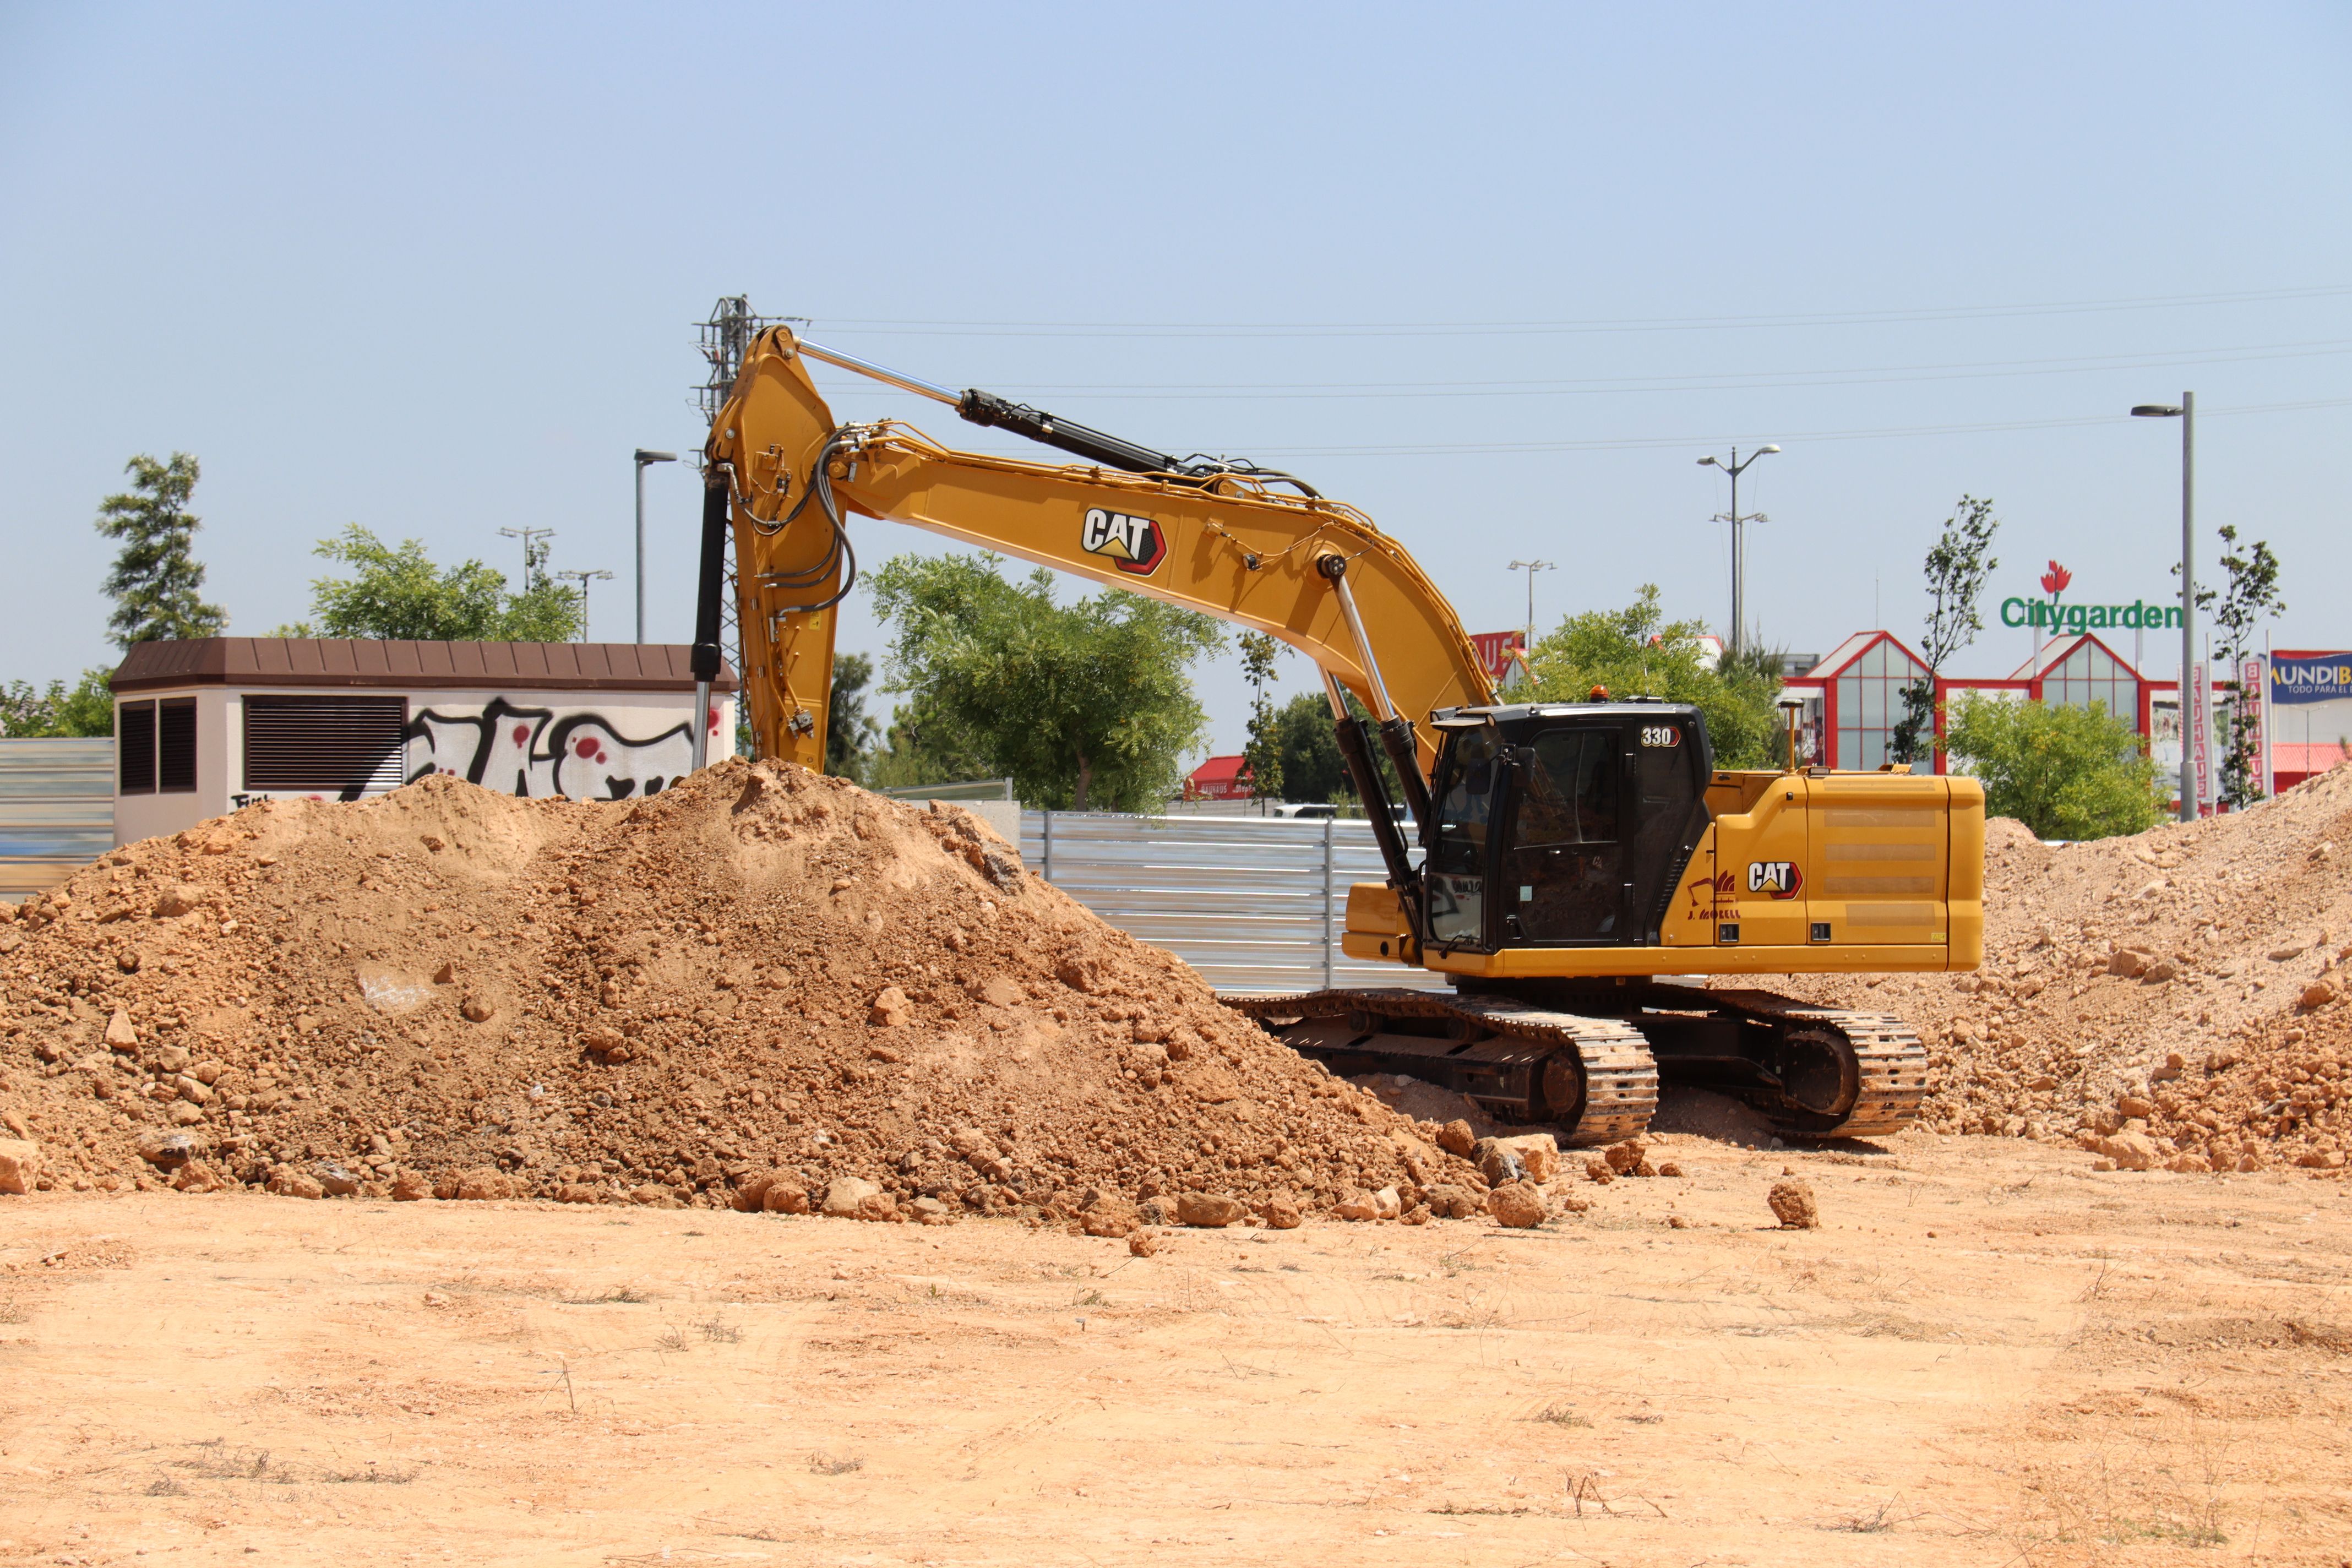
x: 758, y: 969
x: 2186, y: 985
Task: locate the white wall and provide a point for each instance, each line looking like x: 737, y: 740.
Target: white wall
x: 585, y: 744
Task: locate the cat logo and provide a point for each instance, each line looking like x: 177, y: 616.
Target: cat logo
x: 1135, y: 544
x: 1781, y: 879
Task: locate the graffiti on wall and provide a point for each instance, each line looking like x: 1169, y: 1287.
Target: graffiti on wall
x: 542, y: 752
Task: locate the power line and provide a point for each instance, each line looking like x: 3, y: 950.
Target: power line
x: 919, y: 328
x: 1869, y: 375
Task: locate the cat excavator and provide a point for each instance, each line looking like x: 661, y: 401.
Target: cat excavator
x: 1577, y: 872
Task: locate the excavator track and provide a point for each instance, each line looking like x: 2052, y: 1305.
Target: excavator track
x: 1593, y: 1076
x: 1814, y: 1072
x: 1890, y: 1065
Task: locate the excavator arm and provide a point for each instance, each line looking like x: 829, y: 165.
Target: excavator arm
x: 1254, y: 548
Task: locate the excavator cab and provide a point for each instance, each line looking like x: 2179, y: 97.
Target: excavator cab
x: 1561, y: 825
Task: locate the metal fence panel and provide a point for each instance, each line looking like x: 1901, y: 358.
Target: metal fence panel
x: 1253, y: 903
x: 57, y: 810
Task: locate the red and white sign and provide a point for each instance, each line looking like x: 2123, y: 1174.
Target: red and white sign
x: 2253, y: 691
x: 1498, y: 651
x: 1220, y: 778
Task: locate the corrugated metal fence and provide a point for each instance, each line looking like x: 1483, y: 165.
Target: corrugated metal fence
x: 1254, y: 903
x: 57, y: 810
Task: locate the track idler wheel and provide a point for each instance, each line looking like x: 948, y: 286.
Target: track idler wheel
x: 1819, y: 1079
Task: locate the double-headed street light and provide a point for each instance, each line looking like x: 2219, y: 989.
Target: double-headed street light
x: 644, y: 457
x: 1735, y: 468
x: 2185, y: 411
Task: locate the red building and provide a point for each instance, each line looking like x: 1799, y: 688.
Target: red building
x: 1853, y: 696
x: 1219, y: 778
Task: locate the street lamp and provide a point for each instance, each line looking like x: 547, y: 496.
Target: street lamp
x: 2185, y: 411
x: 1530, y: 568
x: 644, y: 457
x: 583, y: 579
x: 530, y: 557
x: 1735, y: 468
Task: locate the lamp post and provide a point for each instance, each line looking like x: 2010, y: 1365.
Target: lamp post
x: 645, y: 458
x: 2185, y: 411
x: 1530, y: 568
x: 1735, y: 468
x: 583, y: 579
x: 530, y: 556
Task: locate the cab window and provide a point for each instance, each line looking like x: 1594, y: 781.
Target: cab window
x: 1563, y: 871
x: 1456, y: 871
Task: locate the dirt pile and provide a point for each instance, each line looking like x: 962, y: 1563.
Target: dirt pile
x: 2174, y: 999
x: 759, y: 976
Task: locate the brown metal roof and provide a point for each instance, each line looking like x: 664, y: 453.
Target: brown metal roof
x: 412, y: 666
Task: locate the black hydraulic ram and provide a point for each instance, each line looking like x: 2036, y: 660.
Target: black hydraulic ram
x: 1356, y: 751
x: 988, y: 409
x: 704, y: 660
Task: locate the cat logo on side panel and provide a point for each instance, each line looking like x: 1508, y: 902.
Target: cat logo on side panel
x: 1134, y: 543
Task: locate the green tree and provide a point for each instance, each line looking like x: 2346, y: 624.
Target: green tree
x: 850, y: 733
x: 87, y: 710
x: 1263, y: 752
x: 1311, y: 766
x: 924, y: 746
x: 397, y: 595
x: 156, y: 574
x: 1637, y: 652
x: 1085, y: 706
x: 1957, y: 569
x: 2252, y: 595
x: 2065, y: 772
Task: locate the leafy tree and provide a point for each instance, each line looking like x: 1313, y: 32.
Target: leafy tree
x: 1957, y: 569
x: 1637, y: 652
x: 399, y: 594
x: 1263, y: 754
x: 2065, y: 772
x: 2253, y: 593
x: 1085, y: 706
x: 924, y: 747
x: 1308, y: 753
x: 86, y: 710
x: 156, y: 574
x: 850, y: 733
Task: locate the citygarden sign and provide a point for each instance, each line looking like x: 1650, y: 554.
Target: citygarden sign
x: 2057, y: 616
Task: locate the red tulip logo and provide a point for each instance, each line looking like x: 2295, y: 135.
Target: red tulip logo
x: 2055, y: 581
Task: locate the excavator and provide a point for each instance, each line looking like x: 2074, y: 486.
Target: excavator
x: 1577, y: 872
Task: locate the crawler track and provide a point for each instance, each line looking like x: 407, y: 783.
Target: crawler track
x: 1815, y: 1072
x: 1593, y: 1076
x: 1890, y: 1063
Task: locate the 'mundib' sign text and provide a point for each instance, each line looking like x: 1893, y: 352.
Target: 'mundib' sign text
x: 2311, y: 677
x: 2137, y: 615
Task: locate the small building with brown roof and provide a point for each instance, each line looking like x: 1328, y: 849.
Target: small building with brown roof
x: 209, y: 724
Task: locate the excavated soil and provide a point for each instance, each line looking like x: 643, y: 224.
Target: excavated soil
x: 762, y: 970
x: 2185, y: 987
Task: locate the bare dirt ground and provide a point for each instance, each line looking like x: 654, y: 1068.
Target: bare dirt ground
x: 1989, y: 1353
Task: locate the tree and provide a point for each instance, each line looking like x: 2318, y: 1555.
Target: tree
x: 924, y: 746
x: 87, y: 710
x: 156, y: 574
x: 2065, y: 772
x: 2253, y: 593
x: 1085, y: 706
x: 399, y: 594
x: 1957, y: 569
x: 1636, y: 652
x: 1312, y: 769
x: 1263, y: 754
x: 850, y: 733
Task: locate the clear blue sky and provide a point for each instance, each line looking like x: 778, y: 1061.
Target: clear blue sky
x: 434, y: 270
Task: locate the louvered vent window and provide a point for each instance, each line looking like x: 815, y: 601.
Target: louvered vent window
x: 342, y: 746
x: 134, y: 747
x: 175, y: 745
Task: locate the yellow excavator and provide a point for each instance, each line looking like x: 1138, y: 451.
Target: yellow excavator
x: 1582, y: 867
